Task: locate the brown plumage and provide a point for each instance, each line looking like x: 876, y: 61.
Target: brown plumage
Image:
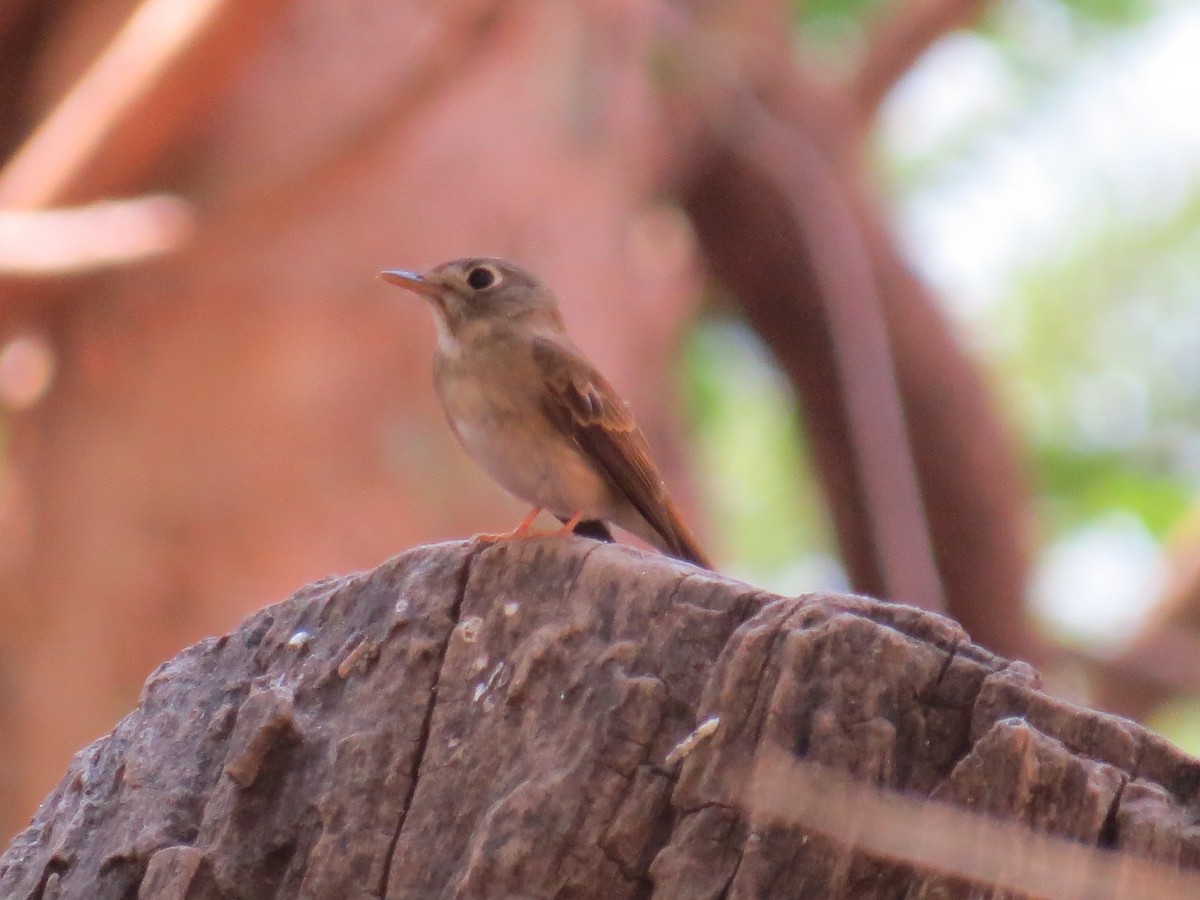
x: 533, y: 412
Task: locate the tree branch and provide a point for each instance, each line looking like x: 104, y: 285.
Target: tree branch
x: 131, y: 103
x: 802, y: 246
x: 77, y: 239
x: 899, y: 39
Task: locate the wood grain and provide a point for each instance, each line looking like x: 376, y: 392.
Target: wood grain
x: 474, y: 720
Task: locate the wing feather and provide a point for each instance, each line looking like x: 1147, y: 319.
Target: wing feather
x: 584, y: 406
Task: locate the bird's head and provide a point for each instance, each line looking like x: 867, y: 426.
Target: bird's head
x: 481, y: 290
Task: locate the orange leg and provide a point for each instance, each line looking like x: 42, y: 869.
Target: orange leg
x: 569, y: 525
x: 525, y: 529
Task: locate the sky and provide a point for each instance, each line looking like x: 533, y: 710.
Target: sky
x: 1120, y: 135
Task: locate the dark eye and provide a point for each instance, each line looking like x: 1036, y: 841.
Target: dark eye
x: 481, y: 277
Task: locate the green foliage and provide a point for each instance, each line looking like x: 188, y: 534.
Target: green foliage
x: 1044, y: 41
x: 1098, y: 354
x: 1077, y: 487
x: 751, y: 453
x: 1178, y: 721
x: 833, y: 21
x: 1009, y: 23
x: 1109, y: 13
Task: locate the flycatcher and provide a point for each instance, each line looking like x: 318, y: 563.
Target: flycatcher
x: 533, y: 412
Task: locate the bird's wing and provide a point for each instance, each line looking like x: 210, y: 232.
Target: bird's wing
x: 584, y: 406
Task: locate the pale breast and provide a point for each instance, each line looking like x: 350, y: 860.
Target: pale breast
x: 491, y: 399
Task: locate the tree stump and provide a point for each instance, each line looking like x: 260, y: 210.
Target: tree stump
x: 477, y: 720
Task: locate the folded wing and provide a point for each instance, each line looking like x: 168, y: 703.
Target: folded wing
x: 584, y: 406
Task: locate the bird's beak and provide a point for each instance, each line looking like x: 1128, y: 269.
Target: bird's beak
x: 413, y: 281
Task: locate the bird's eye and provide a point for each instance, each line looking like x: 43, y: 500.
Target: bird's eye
x: 481, y: 277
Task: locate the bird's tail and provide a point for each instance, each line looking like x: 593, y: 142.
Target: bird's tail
x: 675, y: 538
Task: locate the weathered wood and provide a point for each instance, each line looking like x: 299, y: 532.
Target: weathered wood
x: 472, y: 720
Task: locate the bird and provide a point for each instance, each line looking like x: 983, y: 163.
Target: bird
x: 531, y: 410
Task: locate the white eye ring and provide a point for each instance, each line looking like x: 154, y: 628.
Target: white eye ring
x: 480, y: 278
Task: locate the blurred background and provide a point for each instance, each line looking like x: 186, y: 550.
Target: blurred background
x: 903, y: 292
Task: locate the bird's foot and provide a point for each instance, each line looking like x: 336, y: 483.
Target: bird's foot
x: 526, y: 529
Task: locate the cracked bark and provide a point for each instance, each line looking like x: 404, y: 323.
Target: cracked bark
x: 484, y: 721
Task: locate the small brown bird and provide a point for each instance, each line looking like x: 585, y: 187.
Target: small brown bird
x: 536, y: 415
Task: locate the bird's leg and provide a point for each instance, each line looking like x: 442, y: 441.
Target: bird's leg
x: 569, y: 525
x: 525, y: 529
